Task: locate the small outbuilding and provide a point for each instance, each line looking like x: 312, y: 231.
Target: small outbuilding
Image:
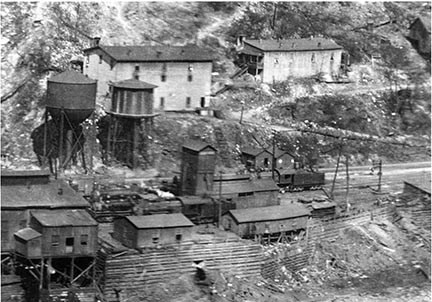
x: 261, y: 159
x: 253, y: 222
x: 28, y: 243
x: 152, y: 230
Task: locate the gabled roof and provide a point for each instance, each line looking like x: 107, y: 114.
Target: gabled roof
x: 196, y: 145
x: 323, y: 205
x: 41, y: 196
x: 244, y: 186
x: 253, y: 151
x: 188, y: 53
x: 27, y: 234
x: 423, y: 184
x: 293, y: 45
x: 159, y: 221
x: 425, y: 20
x: 133, y: 84
x: 269, y: 213
x: 191, y: 200
x: 63, y: 218
x: 71, y: 77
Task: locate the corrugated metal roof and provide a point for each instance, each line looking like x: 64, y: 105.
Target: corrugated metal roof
x: 293, y: 44
x: 41, y: 196
x: 71, y: 77
x: 188, y: 53
x: 62, y: 218
x: 269, y: 213
x: 160, y: 221
x: 133, y: 84
x: 27, y: 234
x: 197, y: 145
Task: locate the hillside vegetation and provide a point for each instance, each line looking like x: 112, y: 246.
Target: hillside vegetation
x: 40, y: 38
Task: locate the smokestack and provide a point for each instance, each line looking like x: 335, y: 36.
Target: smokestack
x: 96, y: 41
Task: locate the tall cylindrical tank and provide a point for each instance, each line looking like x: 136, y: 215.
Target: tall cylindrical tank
x: 132, y: 98
x: 74, y: 93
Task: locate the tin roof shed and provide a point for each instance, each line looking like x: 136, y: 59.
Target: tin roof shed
x: 62, y: 218
x: 27, y: 234
x: 271, y: 213
x: 159, y: 221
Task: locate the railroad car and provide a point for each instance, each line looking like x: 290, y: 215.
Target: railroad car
x: 299, y: 180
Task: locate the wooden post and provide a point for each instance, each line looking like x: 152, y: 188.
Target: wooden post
x: 220, y: 200
x: 135, y: 144
x: 72, y: 270
x: 273, y: 156
x: 347, y: 182
x: 45, y: 138
x: 61, y: 140
x: 108, y: 146
x: 114, y: 150
x: 41, y: 277
x: 337, y: 168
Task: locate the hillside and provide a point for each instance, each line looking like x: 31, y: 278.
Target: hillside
x: 40, y: 38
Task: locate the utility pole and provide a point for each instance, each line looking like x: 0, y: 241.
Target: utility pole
x: 378, y: 164
x: 273, y: 155
x: 347, y: 182
x: 335, y: 175
x: 220, y: 200
x: 242, y: 109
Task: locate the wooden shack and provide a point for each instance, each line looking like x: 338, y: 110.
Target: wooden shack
x: 152, y: 230
x: 28, y: 243
x: 23, y: 191
x: 257, y: 222
x: 197, y: 168
x: 65, y: 232
x: 246, y: 192
x: 260, y: 159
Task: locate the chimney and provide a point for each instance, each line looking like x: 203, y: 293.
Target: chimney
x: 240, y: 40
x: 96, y: 41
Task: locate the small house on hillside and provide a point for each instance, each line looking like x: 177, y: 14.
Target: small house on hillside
x: 261, y: 159
x: 253, y: 222
x: 420, y: 34
x: 152, y: 230
x: 278, y: 60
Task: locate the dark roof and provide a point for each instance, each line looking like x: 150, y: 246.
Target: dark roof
x: 423, y: 184
x: 24, y: 173
x: 71, y: 77
x: 41, y: 196
x: 426, y: 20
x: 160, y: 221
x: 279, y: 152
x: 133, y: 84
x: 323, y: 205
x: 196, y: 145
x: 27, y: 234
x: 269, y: 213
x: 253, y: 151
x: 190, y: 200
x: 189, y: 53
x: 62, y: 218
x: 249, y: 50
x: 293, y: 44
x: 266, y: 184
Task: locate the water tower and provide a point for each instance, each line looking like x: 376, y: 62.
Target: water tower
x: 131, y: 119
x: 71, y: 99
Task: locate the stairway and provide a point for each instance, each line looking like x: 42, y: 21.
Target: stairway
x: 222, y: 147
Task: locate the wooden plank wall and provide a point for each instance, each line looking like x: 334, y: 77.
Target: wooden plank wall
x: 233, y: 256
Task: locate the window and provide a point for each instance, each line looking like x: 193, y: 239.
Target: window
x: 276, y: 61
x: 267, y: 227
x: 69, y: 244
x: 137, y: 68
x: 84, y: 239
x: 190, y: 78
x: 245, y: 194
x: 155, y: 239
x: 162, y: 103
x: 87, y: 59
x: 190, y: 68
x: 332, y: 57
x: 164, y: 67
x: 136, y: 77
x: 266, y: 162
x: 55, y: 240
x: 163, y: 78
x: 313, y: 58
x: 179, y: 235
x: 100, y: 59
x: 188, y: 102
x: 202, y: 102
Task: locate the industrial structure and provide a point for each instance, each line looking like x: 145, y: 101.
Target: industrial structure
x: 278, y: 60
x: 182, y: 73
x: 70, y: 100
x: 131, y: 119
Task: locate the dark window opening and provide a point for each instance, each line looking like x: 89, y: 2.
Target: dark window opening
x: 100, y: 59
x: 162, y: 103
x: 190, y: 68
x: 137, y: 68
x: 313, y: 58
x: 87, y: 59
x: 164, y: 67
x: 190, y: 78
x: 69, y: 241
x: 179, y: 237
x: 203, y: 102
x: 55, y: 240
x: 155, y: 240
x: 266, y: 162
x: 245, y: 194
x: 332, y: 57
x: 188, y: 102
x: 163, y: 78
x: 136, y: 77
x: 84, y: 239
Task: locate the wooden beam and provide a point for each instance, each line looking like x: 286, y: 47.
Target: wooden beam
x: 83, y: 272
